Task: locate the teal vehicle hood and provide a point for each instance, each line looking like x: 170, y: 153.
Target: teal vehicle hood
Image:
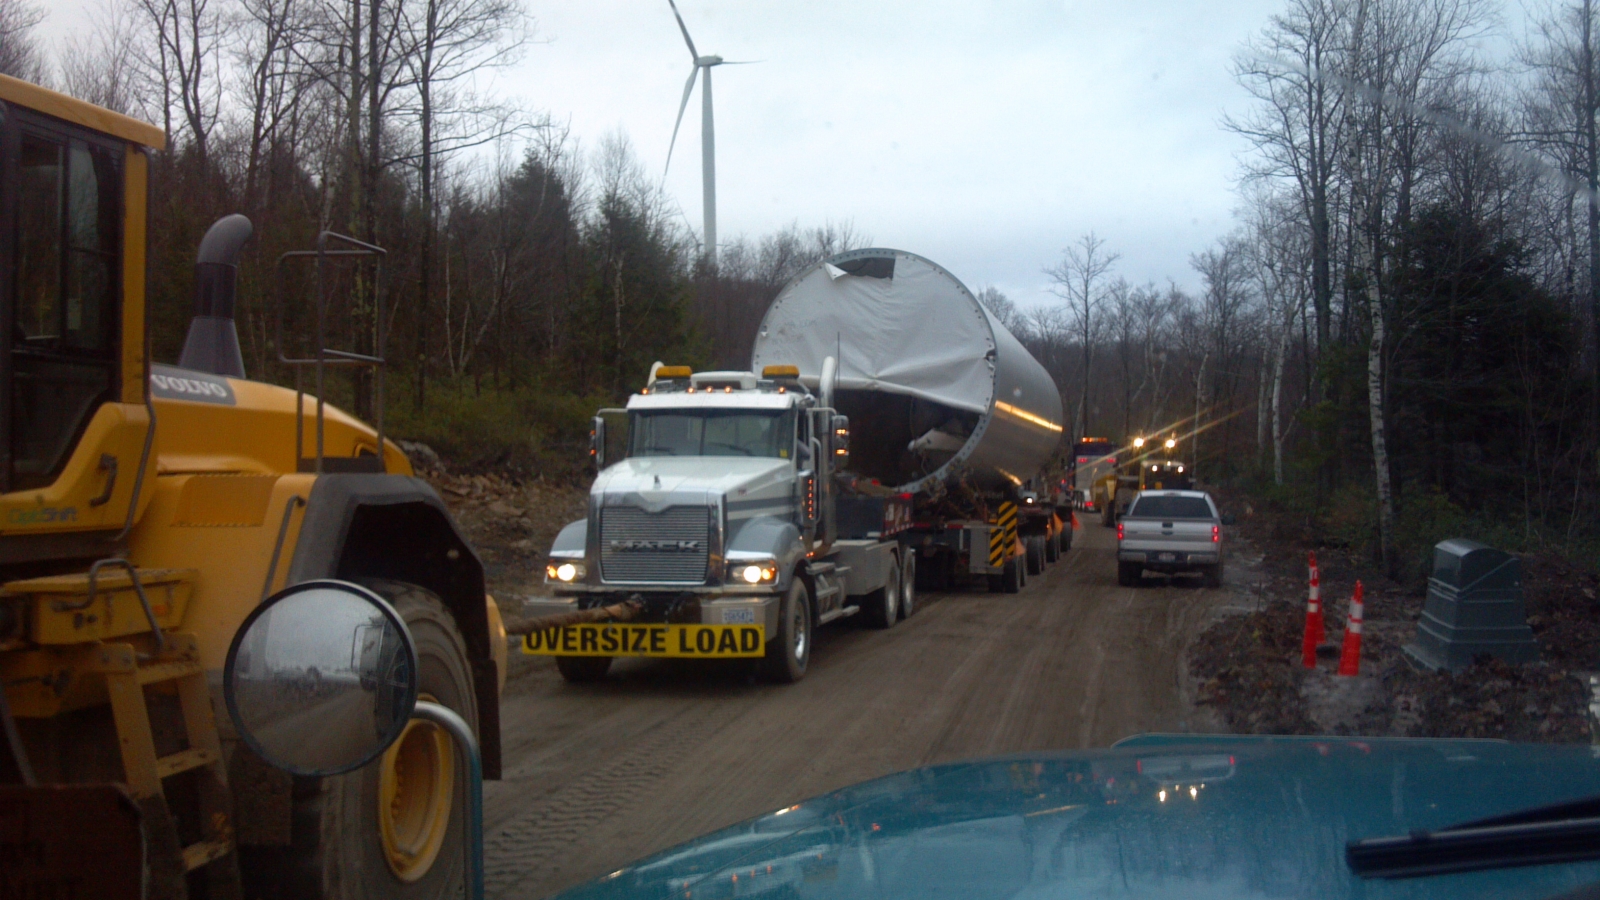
x: 1153, y: 817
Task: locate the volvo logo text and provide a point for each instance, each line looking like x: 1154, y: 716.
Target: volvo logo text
x: 658, y: 546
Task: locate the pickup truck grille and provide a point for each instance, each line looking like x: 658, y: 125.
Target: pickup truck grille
x: 669, y: 547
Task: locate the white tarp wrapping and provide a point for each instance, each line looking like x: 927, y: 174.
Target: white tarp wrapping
x: 920, y: 333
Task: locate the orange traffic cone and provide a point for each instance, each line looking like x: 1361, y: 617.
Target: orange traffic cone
x: 1308, y: 646
x: 1350, y: 659
x: 1314, y: 604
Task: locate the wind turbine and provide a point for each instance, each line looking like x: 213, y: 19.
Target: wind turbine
x: 708, y: 139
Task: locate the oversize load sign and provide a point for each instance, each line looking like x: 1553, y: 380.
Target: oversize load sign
x: 613, y: 639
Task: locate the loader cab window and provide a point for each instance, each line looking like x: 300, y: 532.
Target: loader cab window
x: 64, y: 329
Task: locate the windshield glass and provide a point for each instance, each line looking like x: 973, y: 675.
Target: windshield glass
x: 1171, y: 508
x: 712, y: 432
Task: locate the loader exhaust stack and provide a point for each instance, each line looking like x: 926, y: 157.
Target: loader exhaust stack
x: 213, y: 341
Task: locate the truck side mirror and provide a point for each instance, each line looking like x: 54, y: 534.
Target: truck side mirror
x: 597, y: 442
x: 841, y: 441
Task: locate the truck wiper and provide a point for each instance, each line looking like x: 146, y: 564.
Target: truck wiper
x: 1564, y: 832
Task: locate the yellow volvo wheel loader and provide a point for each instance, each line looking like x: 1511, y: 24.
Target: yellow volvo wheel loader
x: 145, y: 510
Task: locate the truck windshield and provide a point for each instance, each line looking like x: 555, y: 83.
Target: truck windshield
x: 712, y: 432
x: 1171, y: 508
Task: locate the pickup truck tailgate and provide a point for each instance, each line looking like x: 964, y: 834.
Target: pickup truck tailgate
x: 1136, y: 533
x: 1179, y: 537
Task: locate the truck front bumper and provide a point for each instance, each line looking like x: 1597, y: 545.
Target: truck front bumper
x: 760, y: 609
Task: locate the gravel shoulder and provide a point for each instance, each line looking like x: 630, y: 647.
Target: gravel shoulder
x: 1248, y: 670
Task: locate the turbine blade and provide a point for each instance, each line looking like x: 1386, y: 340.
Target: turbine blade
x: 740, y: 62
x: 688, y: 88
x: 685, y: 29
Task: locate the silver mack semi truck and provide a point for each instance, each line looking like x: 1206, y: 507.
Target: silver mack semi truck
x: 887, y: 422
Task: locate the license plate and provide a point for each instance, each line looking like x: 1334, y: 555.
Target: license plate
x: 1166, y: 557
x: 744, y: 616
x: 626, y: 639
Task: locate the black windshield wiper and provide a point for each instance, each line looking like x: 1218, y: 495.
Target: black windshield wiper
x: 1564, y: 832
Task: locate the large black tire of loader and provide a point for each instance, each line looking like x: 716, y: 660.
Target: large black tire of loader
x: 1108, y: 514
x: 1052, y: 547
x: 881, y: 608
x: 789, y: 651
x: 583, y: 669
x: 336, y: 852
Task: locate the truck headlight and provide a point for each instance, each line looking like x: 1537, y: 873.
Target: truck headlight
x: 564, y: 571
x: 757, y: 571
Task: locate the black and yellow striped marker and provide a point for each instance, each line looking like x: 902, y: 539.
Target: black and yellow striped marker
x: 1004, y: 535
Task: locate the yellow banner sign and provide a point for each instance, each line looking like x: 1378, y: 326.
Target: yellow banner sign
x: 614, y: 639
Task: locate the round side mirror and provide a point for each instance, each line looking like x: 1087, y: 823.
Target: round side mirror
x: 321, y: 678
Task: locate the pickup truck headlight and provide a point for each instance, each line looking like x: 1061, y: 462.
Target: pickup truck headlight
x: 564, y: 571
x: 753, y: 571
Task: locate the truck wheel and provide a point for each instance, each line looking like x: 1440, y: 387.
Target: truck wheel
x: 997, y: 584
x: 882, y: 606
x: 1128, y: 574
x: 1213, y: 576
x: 394, y: 828
x: 908, y: 584
x: 789, y: 651
x: 583, y: 669
x: 1012, y: 578
x: 1033, y: 548
x: 1052, y: 547
x: 1108, y: 515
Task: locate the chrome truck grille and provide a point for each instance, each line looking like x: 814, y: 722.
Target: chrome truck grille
x: 669, y: 547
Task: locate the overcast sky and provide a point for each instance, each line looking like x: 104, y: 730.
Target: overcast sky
x: 983, y: 136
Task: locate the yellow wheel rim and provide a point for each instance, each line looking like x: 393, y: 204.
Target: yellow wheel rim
x: 415, y: 787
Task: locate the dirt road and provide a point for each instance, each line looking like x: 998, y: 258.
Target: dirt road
x: 597, y: 776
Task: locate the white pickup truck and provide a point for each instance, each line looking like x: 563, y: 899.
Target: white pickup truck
x: 1170, y: 532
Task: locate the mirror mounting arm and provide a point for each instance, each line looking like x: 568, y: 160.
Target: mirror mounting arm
x: 447, y: 719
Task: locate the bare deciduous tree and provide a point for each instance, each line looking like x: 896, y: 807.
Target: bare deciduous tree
x: 20, y: 55
x: 1079, y: 280
x: 1001, y: 307
x: 97, y: 65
